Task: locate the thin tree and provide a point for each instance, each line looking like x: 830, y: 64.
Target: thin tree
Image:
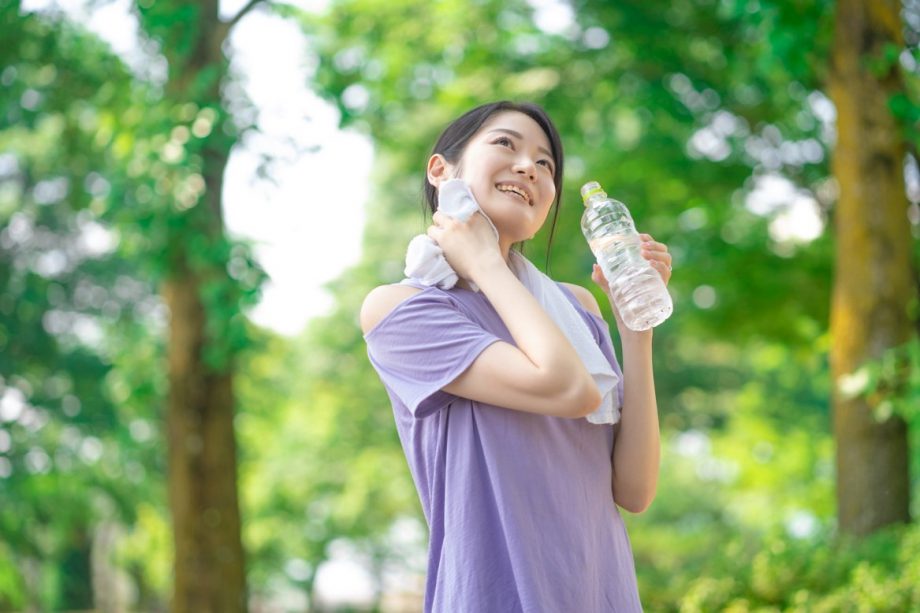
x: 205, y: 321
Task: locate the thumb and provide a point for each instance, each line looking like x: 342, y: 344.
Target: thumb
x: 597, y: 275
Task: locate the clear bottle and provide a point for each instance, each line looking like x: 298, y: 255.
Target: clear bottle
x: 637, y: 289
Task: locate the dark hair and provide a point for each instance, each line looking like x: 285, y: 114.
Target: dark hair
x: 457, y: 135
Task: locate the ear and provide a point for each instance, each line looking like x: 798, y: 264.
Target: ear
x: 438, y: 170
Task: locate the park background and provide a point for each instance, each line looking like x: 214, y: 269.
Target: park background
x: 164, y: 446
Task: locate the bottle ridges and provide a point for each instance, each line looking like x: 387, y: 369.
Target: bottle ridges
x: 637, y: 290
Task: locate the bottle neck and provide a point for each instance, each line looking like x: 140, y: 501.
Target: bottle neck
x: 595, y: 198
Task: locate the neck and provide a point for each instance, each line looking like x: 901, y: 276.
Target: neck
x: 505, y: 249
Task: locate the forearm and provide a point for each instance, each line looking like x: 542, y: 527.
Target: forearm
x: 637, y: 451
x: 534, y: 332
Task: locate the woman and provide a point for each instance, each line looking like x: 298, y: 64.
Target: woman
x: 520, y: 493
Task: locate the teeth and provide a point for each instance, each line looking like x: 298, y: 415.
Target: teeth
x: 511, y: 188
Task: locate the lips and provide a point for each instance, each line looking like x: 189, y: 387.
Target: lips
x: 517, y: 189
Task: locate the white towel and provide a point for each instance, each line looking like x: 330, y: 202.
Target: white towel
x: 425, y: 264
x: 425, y: 261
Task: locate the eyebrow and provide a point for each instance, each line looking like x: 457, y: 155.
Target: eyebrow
x: 521, y: 137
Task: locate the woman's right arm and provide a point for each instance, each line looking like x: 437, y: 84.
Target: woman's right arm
x: 542, y: 373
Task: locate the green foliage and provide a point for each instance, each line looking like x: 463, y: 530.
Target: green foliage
x: 891, y: 383
x: 744, y: 516
x: 880, y: 573
x: 744, y: 519
x: 63, y: 302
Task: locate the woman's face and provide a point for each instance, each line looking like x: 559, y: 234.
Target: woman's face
x: 509, y: 167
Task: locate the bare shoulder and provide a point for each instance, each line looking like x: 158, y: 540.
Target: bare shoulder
x: 585, y: 297
x: 380, y: 301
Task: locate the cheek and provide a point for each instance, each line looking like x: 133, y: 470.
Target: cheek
x: 549, y: 194
x: 479, y: 191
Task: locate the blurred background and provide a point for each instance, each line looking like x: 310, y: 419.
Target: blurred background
x: 195, y: 197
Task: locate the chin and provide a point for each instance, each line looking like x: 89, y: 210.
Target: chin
x: 515, y: 237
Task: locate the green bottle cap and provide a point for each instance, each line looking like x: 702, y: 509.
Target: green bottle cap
x: 590, y: 189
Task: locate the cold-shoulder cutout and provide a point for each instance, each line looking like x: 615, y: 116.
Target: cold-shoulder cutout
x: 381, y: 301
x: 585, y: 297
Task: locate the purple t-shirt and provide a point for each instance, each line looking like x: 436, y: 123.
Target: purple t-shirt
x: 519, y: 505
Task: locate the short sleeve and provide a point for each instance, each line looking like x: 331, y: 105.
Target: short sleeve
x: 423, y: 344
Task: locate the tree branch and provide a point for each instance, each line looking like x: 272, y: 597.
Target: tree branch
x: 243, y: 11
x: 224, y: 27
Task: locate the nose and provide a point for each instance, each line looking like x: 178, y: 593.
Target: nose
x: 525, y: 166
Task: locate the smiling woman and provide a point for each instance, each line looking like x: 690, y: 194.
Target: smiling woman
x: 490, y: 378
x: 513, y: 166
x: 508, y: 130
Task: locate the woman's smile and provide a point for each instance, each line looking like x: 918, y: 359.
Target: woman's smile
x: 517, y: 191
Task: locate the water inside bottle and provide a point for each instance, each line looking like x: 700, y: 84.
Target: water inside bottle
x: 601, y: 243
x: 626, y: 248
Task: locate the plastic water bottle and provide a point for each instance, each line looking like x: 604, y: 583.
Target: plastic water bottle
x: 637, y: 289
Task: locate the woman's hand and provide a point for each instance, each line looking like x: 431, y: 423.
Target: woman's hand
x: 657, y: 255
x: 468, y: 245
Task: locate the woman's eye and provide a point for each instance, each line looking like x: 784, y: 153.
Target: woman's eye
x: 547, y: 164
x: 504, y: 140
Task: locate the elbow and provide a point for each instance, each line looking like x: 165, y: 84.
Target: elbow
x: 583, y: 399
x: 635, y: 503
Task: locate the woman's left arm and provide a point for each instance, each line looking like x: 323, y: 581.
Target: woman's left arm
x: 637, y: 451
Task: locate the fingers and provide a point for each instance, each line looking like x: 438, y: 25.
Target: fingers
x: 660, y: 266
x: 663, y: 270
x: 597, y: 275
x: 471, y: 232
x: 440, y: 222
x: 654, y: 251
x: 651, y: 244
x: 657, y: 255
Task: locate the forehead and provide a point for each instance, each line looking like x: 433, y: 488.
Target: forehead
x: 518, y: 122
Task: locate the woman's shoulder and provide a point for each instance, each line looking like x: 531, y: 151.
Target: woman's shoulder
x: 584, y: 296
x: 381, y: 300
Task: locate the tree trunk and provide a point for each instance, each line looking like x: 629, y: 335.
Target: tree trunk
x: 873, y: 279
x: 209, y: 572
